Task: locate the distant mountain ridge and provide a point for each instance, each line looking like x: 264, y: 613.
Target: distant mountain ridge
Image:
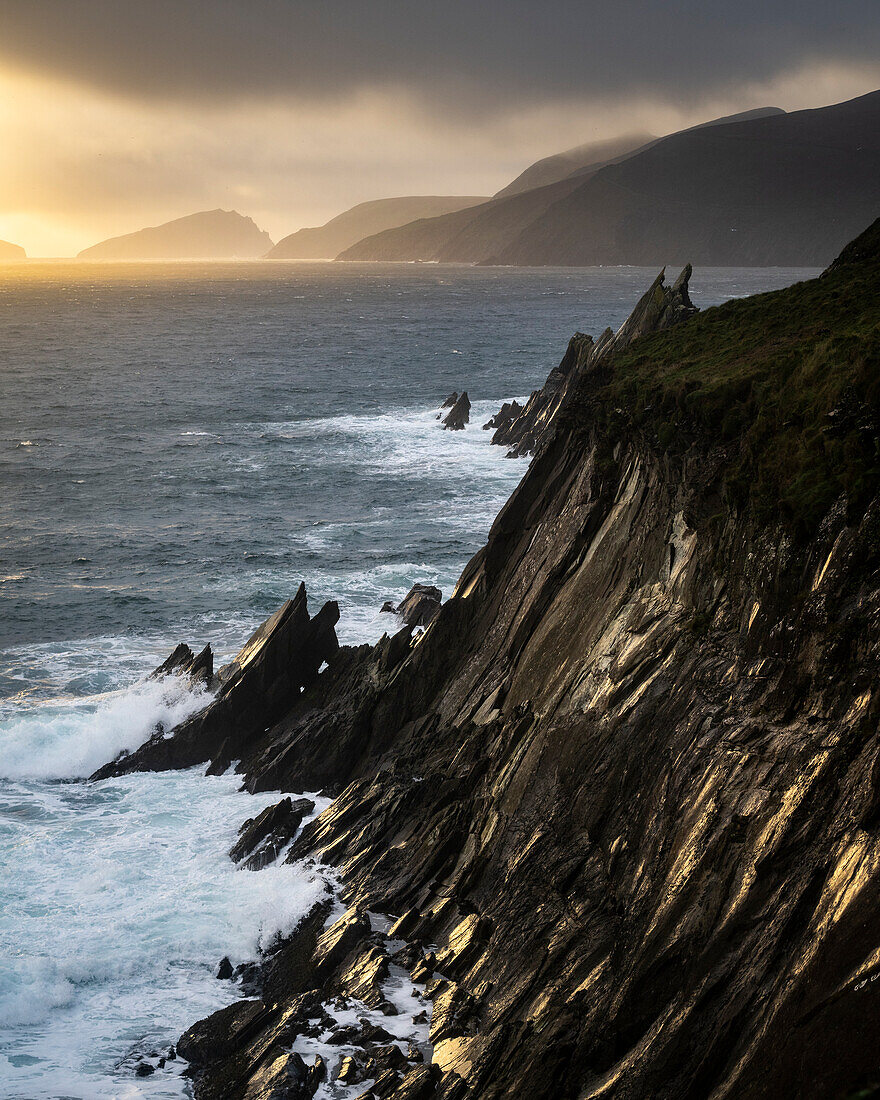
x: 476, y: 235
x: 561, y: 166
x: 325, y: 242
x: 779, y: 190
x: 207, y: 235
x: 11, y: 253
x: 763, y: 188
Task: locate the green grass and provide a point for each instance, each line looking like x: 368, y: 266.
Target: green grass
x: 760, y: 375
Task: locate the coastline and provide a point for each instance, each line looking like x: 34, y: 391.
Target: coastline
x: 601, y: 781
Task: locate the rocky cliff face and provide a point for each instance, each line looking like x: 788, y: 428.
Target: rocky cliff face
x: 522, y: 429
x: 624, y: 793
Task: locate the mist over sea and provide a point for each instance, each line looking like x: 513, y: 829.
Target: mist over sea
x: 180, y: 446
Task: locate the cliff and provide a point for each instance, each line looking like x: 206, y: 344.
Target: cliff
x: 760, y: 189
x: 11, y: 253
x: 624, y: 792
x: 327, y: 241
x: 522, y: 430
x: 208, y: 235
x: 781, y: 190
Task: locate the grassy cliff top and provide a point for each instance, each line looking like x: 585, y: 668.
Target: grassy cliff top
x: 789, y: 381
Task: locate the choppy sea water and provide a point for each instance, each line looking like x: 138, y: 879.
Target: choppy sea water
x: 180, y: 445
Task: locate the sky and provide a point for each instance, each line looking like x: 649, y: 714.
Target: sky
x: 116, y: 114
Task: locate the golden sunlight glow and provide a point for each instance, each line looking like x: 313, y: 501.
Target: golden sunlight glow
x: 80, y: 165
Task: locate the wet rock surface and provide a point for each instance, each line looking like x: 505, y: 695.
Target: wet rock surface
x: 619, y: 805
x: 459, y: 415
x: 419, y: 606
x: 325, y: 1036
x: 263, y: 838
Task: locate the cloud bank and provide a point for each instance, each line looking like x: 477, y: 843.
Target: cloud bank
x: 116, y: 114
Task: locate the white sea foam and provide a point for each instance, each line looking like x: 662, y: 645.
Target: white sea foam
x: 119, y: 902
x: 71, y: 738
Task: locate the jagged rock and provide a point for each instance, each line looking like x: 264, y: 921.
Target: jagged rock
x: 404, y: 926
x: 144, y: 1069
x: 341, y: 939
x: 458, y: 415
x: 408, y: 955
x: 466, y: 943
x: 285, y: 1077
x: 217, y: 1036
x: 454, y: 1013
x: 224, y: 970
x: 198, y: 668
x: 250, y: 977
x: 180, y: 659
x: 278, y: 662
x: 658, y: 309
x: 364, y: 977
x: 201, y: 671
x: 509, y: 411
x: 373, y: 1033
x: 262, y: 839
x: 424, y: 968
x: 419, y: 606
x: 386, y: 1058
x: 419, y: 1084
x: 344, y: 1036
x: 448, y: 403
x: 349, y: 1072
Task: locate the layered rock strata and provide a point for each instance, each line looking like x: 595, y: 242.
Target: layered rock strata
x: 623, y: 796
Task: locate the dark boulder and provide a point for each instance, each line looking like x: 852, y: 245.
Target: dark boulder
x: 448, y: 402
x: 224, y: 970
x: 419, y: 606
x: 261, y: 839
x: 509, y: 411
x: 222, y: 1032
x: 458, y: 415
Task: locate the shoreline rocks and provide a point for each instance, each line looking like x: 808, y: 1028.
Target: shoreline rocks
x: 459, y: 415
x: 418, y: 607
x: 622, y: 796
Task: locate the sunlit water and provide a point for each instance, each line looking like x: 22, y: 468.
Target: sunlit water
x: 179, y: 447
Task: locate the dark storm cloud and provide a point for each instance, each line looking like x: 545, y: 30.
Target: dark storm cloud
x: 480, y: 55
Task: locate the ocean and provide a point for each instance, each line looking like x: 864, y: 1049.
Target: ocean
x: 180, y: 446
